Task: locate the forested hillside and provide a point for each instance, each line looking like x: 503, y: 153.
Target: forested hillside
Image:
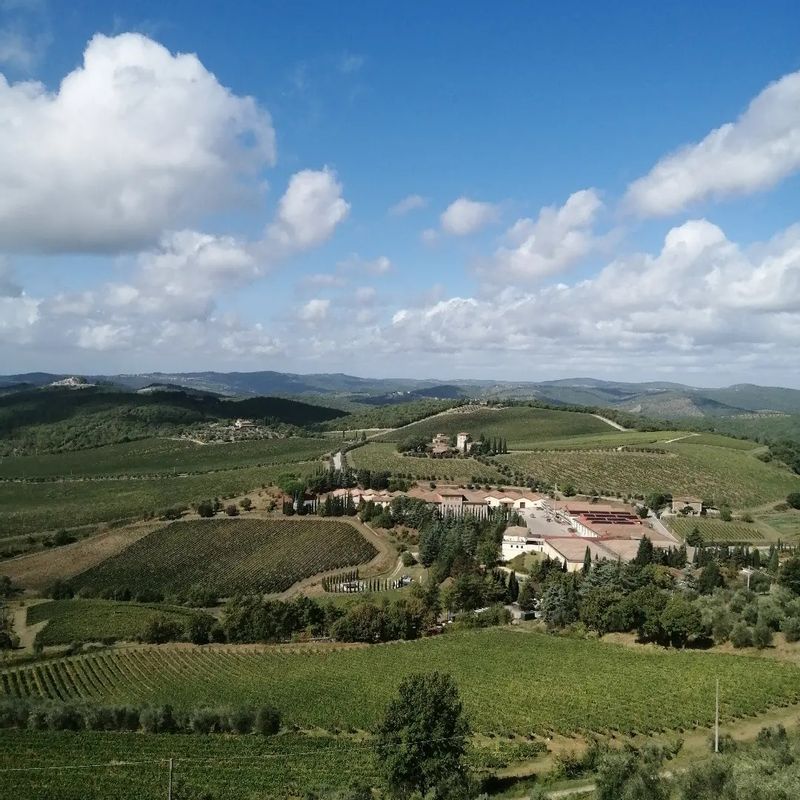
x: 56, y: 419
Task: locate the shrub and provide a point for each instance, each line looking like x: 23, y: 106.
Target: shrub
x: 205, y: 721
x: 126, y: 718
x: 13, y: 713
x: 741, y: 635
x: 62, y: 538
x: 241, y: 720
x: 407, y: 559
x: 160, y: 630
x: 791, y: 629
x: 246, y: 503
x: 37, y: 719
x: 64, y: 718
x: 268, y: 721
x: 206, y: 509
x: 100, y: 718
x: 762, y: 635
x: 232, y: 510
x: 158, y: 720
x: 199, y: 628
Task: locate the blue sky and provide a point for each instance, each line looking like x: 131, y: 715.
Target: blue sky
x: 235, y: 211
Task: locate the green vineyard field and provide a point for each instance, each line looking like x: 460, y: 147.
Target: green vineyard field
x: 522, y: 426
x: 226, y: 556
x: 162, y: 456
x: 96, y: 620
x: 383, y: 456
x: 713, y: 473
x: 36, y: 507
x: 715, y: 530
x: 510, y: 681
x: 234, y: 768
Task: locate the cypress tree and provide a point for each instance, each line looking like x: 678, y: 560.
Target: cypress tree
x: 587, y: 561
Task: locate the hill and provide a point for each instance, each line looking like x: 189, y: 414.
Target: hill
x: 54, y: 419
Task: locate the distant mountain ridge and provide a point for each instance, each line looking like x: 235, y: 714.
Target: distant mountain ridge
x: 660, y: 399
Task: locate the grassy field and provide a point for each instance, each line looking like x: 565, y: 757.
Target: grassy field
x: 96, y: 620
x: 162, y: 456
x: 716, y: 474
x: 379, y: 456
x: 36, y: 507
x: 521, y: 426
x: 786, y: 524
x: 715, y: 530
x: 510, y: 680
x: 227, y: 556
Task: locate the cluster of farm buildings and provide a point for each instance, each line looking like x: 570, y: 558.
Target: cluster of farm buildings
x: 561, y: 530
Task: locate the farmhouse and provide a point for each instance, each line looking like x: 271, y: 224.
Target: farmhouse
x: 518, y: 539
x: 594, y: 520
x: 571, y: 550
x: 680, y: 504
x: 451, y: 500
x: 440, y: 444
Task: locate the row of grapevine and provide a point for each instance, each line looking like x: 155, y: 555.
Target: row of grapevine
x: 226, y: 556
x: 314, y: 686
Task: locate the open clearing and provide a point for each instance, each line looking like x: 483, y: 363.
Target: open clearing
x: 96, y: 620
x: 521, y: 426
x: 510, y: 680
x: 716, y: 474
x: 226, y: 556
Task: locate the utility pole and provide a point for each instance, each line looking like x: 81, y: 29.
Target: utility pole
x: 169, y: 784
x: 716, y: 724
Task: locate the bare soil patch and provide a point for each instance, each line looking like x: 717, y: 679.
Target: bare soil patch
x: 35, y: 572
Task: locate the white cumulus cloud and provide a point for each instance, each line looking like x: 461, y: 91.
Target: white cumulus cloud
x: 464, y: 216
x: 753, y: 153
x: 555, y: 240
x: 314, y: 310
x: 309, y: 211
x: 134, y: 141
x: 410, y: 203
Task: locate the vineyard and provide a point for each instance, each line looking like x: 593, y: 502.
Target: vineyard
x: 715, y: 530
x: 522, y: 426
x: 235, y: 768
x: 510, y: 681
x: 713, y: 473
x: 149, y: 457
x: 382, y: 456
x: 96, y: 620
x: 36, y: 507
x: 226, y: 556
